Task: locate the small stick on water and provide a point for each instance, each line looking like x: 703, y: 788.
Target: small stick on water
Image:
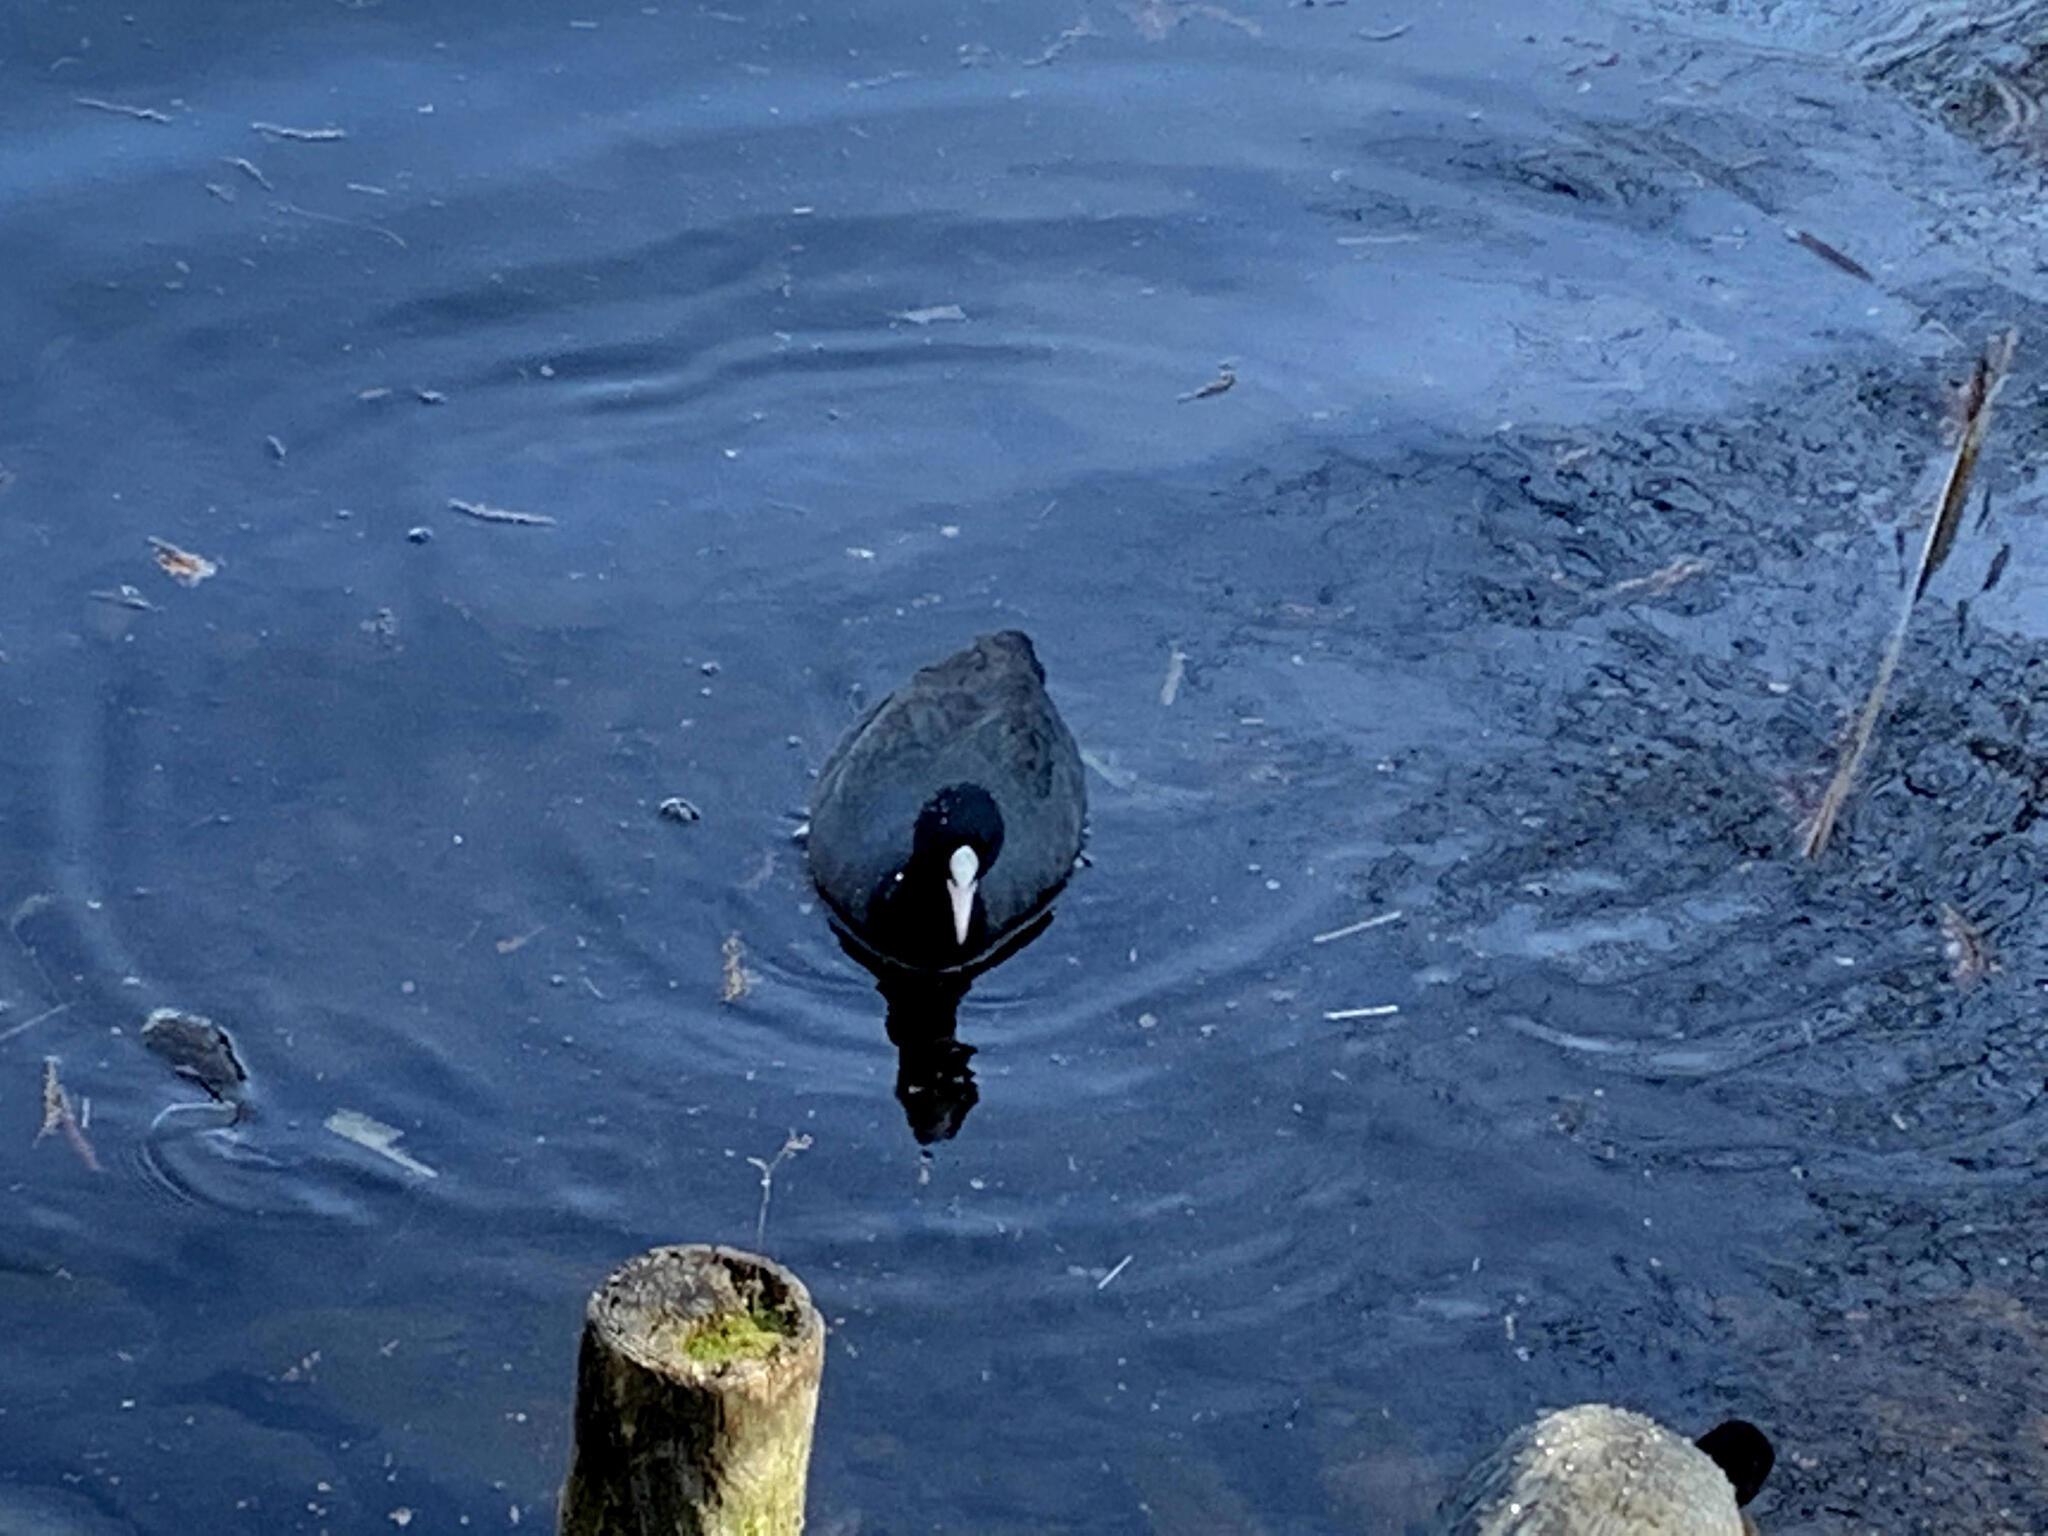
x: 1121, y: 1265
x: 119, y: 109
x: 791, y: 1145
x: 1176, y: 669
x: 330, y: 218
x: 488, y: 514
x: 1985, y: 382
x: 300, y: 135
x: 28, y: 1024
x: 60, y: 1118
x: 249, y: 169
x: 1830, y: 255
x: 1377, y: 1011
x: 1358, y: 927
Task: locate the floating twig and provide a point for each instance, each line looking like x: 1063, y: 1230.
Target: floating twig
x: 124, y: 596
x: 27, y: 1024
x: 300, y: 135
x: 1378, y: 1011
x: 1830, y: 255
x: 121, y: 109
x: 1358, y: 927
x: 791, y: 1145
x: 60, y: 1119
x: 333, y: 218
x: 1985, y: 381
x: 1176, y: 669
x: 1226, y: 376
x: 248, y: 169
x: 1121, y: 1265
x: 489, y: 514
x: 1658, y: 582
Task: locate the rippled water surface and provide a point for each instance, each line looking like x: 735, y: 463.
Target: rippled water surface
x: 1517, y: 584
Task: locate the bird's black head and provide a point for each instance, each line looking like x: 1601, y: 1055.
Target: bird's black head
x: 1742, y: 1451
x: 929, y: 914
x: 958, y: 816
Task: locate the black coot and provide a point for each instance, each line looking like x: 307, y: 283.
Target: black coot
x: 951, y: 814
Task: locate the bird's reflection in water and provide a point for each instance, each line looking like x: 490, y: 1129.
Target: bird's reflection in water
x: 934, y: 1083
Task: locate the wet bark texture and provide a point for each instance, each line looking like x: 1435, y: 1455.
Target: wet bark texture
x: 669, y: 1443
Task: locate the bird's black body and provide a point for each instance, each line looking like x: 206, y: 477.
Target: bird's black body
x: 969, y: 753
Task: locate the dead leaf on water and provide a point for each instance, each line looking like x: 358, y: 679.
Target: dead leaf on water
x: 519, y: 941
x: 181, y: 565
x: 375, y: 1136
x: 59, y: 1118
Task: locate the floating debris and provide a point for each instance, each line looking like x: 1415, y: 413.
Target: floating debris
x: 198, y: 1050
x: 430, y: 397
x: 1226, y: 377
x: 1115, y: 777
x: 1121, y: 1265
x: 1358, y: 927
x: 676, y: 808
x: 1830, y: 255
x: 248, y: 169
x: 1985, y: 381
x: 120, y: 109
x: 519, y: 941
x: 1998, y: 563
x: 1969, y: 954
x: 1176, y: 669
x: 28, y: 1024
x: 300, y: 135
x: 791, y: 1145
x: 375, y: 1136
x: 181, y: 565
x: 60, y: 1119
x: 489, y: 514
x: 1388, y: 35
x: 930, y: 314
x: 1658, y: 582
x: 421, y: 534
x: 1059, y: 45
x: 736, y: 980
x: 125, y: 596
x: 1378, y: 1011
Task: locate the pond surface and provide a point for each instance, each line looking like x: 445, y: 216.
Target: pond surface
x: 1519, y: 583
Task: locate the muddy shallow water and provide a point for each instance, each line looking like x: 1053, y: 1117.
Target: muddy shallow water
x: 1520, y: 584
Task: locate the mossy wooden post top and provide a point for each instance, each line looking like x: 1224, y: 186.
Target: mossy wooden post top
x: 701, y: 1314
x: 696, y: 1391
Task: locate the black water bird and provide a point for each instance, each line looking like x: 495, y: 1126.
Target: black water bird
x: 951, y: 814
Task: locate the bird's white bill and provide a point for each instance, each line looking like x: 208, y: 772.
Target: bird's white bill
x: 962, y: 871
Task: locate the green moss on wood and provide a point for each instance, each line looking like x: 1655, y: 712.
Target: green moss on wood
x: 749, y: 1335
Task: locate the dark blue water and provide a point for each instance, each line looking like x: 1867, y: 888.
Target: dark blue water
x: 827, y: 339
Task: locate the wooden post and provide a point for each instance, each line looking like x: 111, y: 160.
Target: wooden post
x: 696, y: 1389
